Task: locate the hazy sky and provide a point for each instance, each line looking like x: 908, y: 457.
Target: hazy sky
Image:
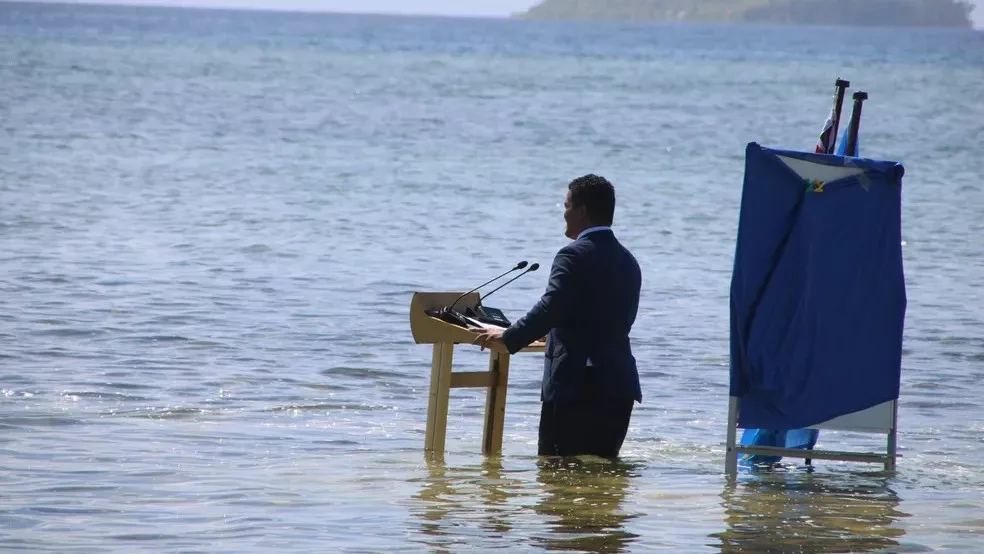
x: 437, y: 7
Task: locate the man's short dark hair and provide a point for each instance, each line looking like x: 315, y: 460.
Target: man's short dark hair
x: 597, y: 195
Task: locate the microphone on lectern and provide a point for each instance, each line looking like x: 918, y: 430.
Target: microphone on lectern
x: 519, y: 266
x: 448, y: 314
x: 495, y: 316
x: 533, y: 267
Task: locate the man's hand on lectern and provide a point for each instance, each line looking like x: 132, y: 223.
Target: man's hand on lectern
x: 487, y: 337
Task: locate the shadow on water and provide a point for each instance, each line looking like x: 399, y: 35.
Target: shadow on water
x: 580, y: 505
x: 574, y: 505
x: 582, y: 501
x: 779, y: 512
x: 459, y: 506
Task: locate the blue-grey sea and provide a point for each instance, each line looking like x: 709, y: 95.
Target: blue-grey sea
x: 212, y: 223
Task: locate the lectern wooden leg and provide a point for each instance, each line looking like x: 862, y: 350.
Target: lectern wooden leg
x: 440, y: 391
x: 495, y: 403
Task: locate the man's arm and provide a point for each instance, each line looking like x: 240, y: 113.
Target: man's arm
x: 556, y: 303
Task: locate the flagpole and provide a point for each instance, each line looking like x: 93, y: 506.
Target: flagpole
x: 852, y: 137
x: 828, y: 136
x: 841, y: 86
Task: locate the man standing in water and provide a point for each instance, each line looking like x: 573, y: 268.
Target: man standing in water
x: 590, y: 380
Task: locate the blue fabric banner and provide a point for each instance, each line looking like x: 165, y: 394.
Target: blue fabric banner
x: 818, y: 293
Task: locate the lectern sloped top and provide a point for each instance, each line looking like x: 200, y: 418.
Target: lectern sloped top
x: 431, y: 330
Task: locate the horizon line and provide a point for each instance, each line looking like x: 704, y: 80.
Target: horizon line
x: 162, y: 4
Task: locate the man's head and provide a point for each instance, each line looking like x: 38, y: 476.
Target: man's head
x: 590, y: 203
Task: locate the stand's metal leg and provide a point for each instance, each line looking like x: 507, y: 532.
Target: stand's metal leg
x: 731, y: 457
x: 892, y: 445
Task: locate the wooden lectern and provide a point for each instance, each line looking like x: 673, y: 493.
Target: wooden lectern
x: 431, y: 330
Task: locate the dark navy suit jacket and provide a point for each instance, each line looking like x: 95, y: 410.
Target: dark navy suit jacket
x: 587, y: 311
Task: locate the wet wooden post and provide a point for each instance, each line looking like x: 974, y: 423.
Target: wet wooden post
x: 495, y: 402
x: 437, y: 400
x: 444, y: 336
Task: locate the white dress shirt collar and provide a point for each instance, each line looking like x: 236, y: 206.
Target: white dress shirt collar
x: 593, y: 229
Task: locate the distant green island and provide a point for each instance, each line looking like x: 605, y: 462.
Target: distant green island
x: 867, y: 13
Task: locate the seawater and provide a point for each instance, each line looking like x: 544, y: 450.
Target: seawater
x: 212, y: 223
